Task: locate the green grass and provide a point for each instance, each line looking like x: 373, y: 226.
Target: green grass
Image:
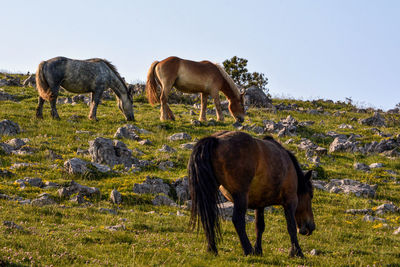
x: 69, y: 234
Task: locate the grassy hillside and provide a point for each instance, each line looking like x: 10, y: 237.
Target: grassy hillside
x: 72, y: 234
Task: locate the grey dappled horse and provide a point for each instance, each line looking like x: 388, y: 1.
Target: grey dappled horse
x: 81, y: 76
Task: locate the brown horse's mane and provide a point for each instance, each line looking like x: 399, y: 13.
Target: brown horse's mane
x: 303, y: 186
x: 229, y: 80
x: 113, y: 69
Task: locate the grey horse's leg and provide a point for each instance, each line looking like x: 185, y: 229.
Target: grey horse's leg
x: 53, y: 102
x: 203, y: 110
x: 94, y: 102
x: 39, y: 109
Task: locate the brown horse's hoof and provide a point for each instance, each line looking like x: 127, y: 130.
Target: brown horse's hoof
x: 296, y: 252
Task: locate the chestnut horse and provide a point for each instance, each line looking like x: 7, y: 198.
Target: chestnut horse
x: 193, y: 77
x: 252, y: 173
x: 81, y: 76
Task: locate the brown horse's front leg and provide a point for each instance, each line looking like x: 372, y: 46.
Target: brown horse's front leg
x: 260, y: 227
x: 295, y: 250
x: 239, y: 221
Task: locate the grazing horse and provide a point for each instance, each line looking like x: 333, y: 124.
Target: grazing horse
x: 81, y: 76
x: 193, y: 77
x: 252, y: 173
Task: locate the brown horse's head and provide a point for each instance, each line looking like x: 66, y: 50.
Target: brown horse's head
x: 236, y: 108
x: 304, y: 215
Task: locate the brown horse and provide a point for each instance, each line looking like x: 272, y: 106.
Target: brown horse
x: 252, y: 173
x: 193, y: 77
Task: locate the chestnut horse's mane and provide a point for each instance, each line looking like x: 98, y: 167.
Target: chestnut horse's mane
x: 229, y: 80
x: 304, y: 186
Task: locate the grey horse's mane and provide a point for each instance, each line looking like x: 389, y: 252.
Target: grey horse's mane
x: 113, y: 68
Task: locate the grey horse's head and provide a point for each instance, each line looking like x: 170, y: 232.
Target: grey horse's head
x: 125, y: 104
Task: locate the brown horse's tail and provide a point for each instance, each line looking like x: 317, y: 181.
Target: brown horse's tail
x: 41, y: 83
x: 151, y: 85
x: 203, y: 187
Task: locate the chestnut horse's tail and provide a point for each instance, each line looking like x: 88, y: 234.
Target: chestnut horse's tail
x: 41, y: 83
x: 203, y: 187
x: 151, y: 85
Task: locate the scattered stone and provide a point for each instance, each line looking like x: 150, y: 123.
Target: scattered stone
x: 26, y: 150
x: 22, y: 165
x: 115, y: 197
x: 82, y: 152
x: 30, y: 81
x: 37, y: 182
x: 346, y: 186
x: 167, y: 149
x: 16, y: 143
x: 79, y: 198
x: 75, y: 166
x: 345, y: 126
x: 376, y: 120
x: 8, y: 127
x: 165, y: 165
x: 359, y: 211
x: 341, y: 144
x: 52, y: 155
x: 163, y: 200
x: 188, y: 146
x: 370, y: 218
x: 6, y: 148
x: 7, y: 97
x: 145, y: 142
x: 237, y: 125
x: 110, y: 152
x: 361, y: 166
x: 48, y: 185
x: 182, y: 189
x: 256, y: 97
x: 152, y: 186
x: 306, y: 144
x: 376, y: 165
x: 12, y: 225
x: 115, y: 227
x: 385, y: 208
x: 315, y: 252
x: 128, y: 131
x: 43, y: 200
x: 195, y: 122
x: 75, y: 188
x: 179, y: 136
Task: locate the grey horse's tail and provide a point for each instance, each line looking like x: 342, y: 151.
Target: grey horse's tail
x: 41, y: 83
x: 151, y: 85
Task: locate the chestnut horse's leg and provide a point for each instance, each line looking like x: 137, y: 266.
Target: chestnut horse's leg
x: 260, y: 227
x: 53, y: 102
x: 217, y: 103
x: 204, y: 97
x: 295, y: 249
x: 238, y: 219
x: 39, y: 109
x: 166, y: 112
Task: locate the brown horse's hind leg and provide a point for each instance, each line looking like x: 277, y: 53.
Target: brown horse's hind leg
x: 260, y: 227
x: 295, y: 249
x: 218, y: 108
x: 203, y: 110
x: 238, y: 219
x: 39, y: 109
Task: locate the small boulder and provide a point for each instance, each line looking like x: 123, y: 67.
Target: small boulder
x: 179, y: 136
x: 8, y: 127
x: 163, y: 200
x: 115, y: 197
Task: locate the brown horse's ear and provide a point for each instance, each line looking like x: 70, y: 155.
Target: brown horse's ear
x: 308, y: 175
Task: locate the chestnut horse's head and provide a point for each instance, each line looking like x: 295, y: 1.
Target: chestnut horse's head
x: 304, y: 215
x: 236, y: 108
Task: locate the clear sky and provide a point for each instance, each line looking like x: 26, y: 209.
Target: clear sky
x: 329, y: 49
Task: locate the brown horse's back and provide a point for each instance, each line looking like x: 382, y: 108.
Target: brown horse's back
x: 261, y: 167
